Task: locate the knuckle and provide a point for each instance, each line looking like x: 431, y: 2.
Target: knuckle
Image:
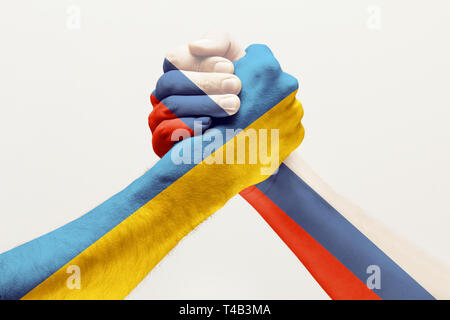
x: 235, y: 108
x: 234, y: 85
x: 172, y: 55
x: 167, y: 101
x: 163, y: 87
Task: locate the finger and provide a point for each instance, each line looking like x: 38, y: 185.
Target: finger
x: 217, y: 43
x: 217, y: 106
x: 196, y: 83
x: 168, y: 132
x: 182, y: 59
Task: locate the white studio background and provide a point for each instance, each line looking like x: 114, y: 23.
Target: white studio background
x: 75, y: 78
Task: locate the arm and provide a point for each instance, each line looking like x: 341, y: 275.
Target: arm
x: 118, y: 243
x: 335, y: 240
x: 339, y: 244
x: 429, y: 272
x: 134, y: 230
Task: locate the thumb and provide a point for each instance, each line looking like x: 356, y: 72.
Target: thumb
x: 217, y: 43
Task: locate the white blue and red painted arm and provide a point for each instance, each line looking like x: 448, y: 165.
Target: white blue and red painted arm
x: 342, y: 259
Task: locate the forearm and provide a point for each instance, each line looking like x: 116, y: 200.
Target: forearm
x: 332, y: 239
x: 96, y: 243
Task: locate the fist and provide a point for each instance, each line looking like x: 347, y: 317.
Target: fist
x: 198, y: 84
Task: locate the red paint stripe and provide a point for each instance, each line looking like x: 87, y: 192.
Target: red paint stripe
x: 163, y: 122
x: 160, y: 113
x: 337, y: 281
x: 154, y: 100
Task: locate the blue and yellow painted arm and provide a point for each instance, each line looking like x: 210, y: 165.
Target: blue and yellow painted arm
x: 118, y: 243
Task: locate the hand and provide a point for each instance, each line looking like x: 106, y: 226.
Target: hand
x: 197, y: 84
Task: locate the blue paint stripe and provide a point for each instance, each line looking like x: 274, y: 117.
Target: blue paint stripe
x: 337, y: 235
x: 174, y: 82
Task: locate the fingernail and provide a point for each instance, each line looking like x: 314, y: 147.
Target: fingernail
x: 231, y: 85
x: 230, y: 104
x: 224, y: 67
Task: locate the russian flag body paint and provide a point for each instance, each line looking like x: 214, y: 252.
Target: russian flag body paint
x: 176, y: 100
x: 119, y: 242
x: 336, y: 253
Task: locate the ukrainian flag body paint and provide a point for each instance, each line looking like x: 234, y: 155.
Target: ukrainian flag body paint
x: 119, y: 242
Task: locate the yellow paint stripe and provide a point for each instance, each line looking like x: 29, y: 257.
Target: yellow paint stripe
x: 115, y: 264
